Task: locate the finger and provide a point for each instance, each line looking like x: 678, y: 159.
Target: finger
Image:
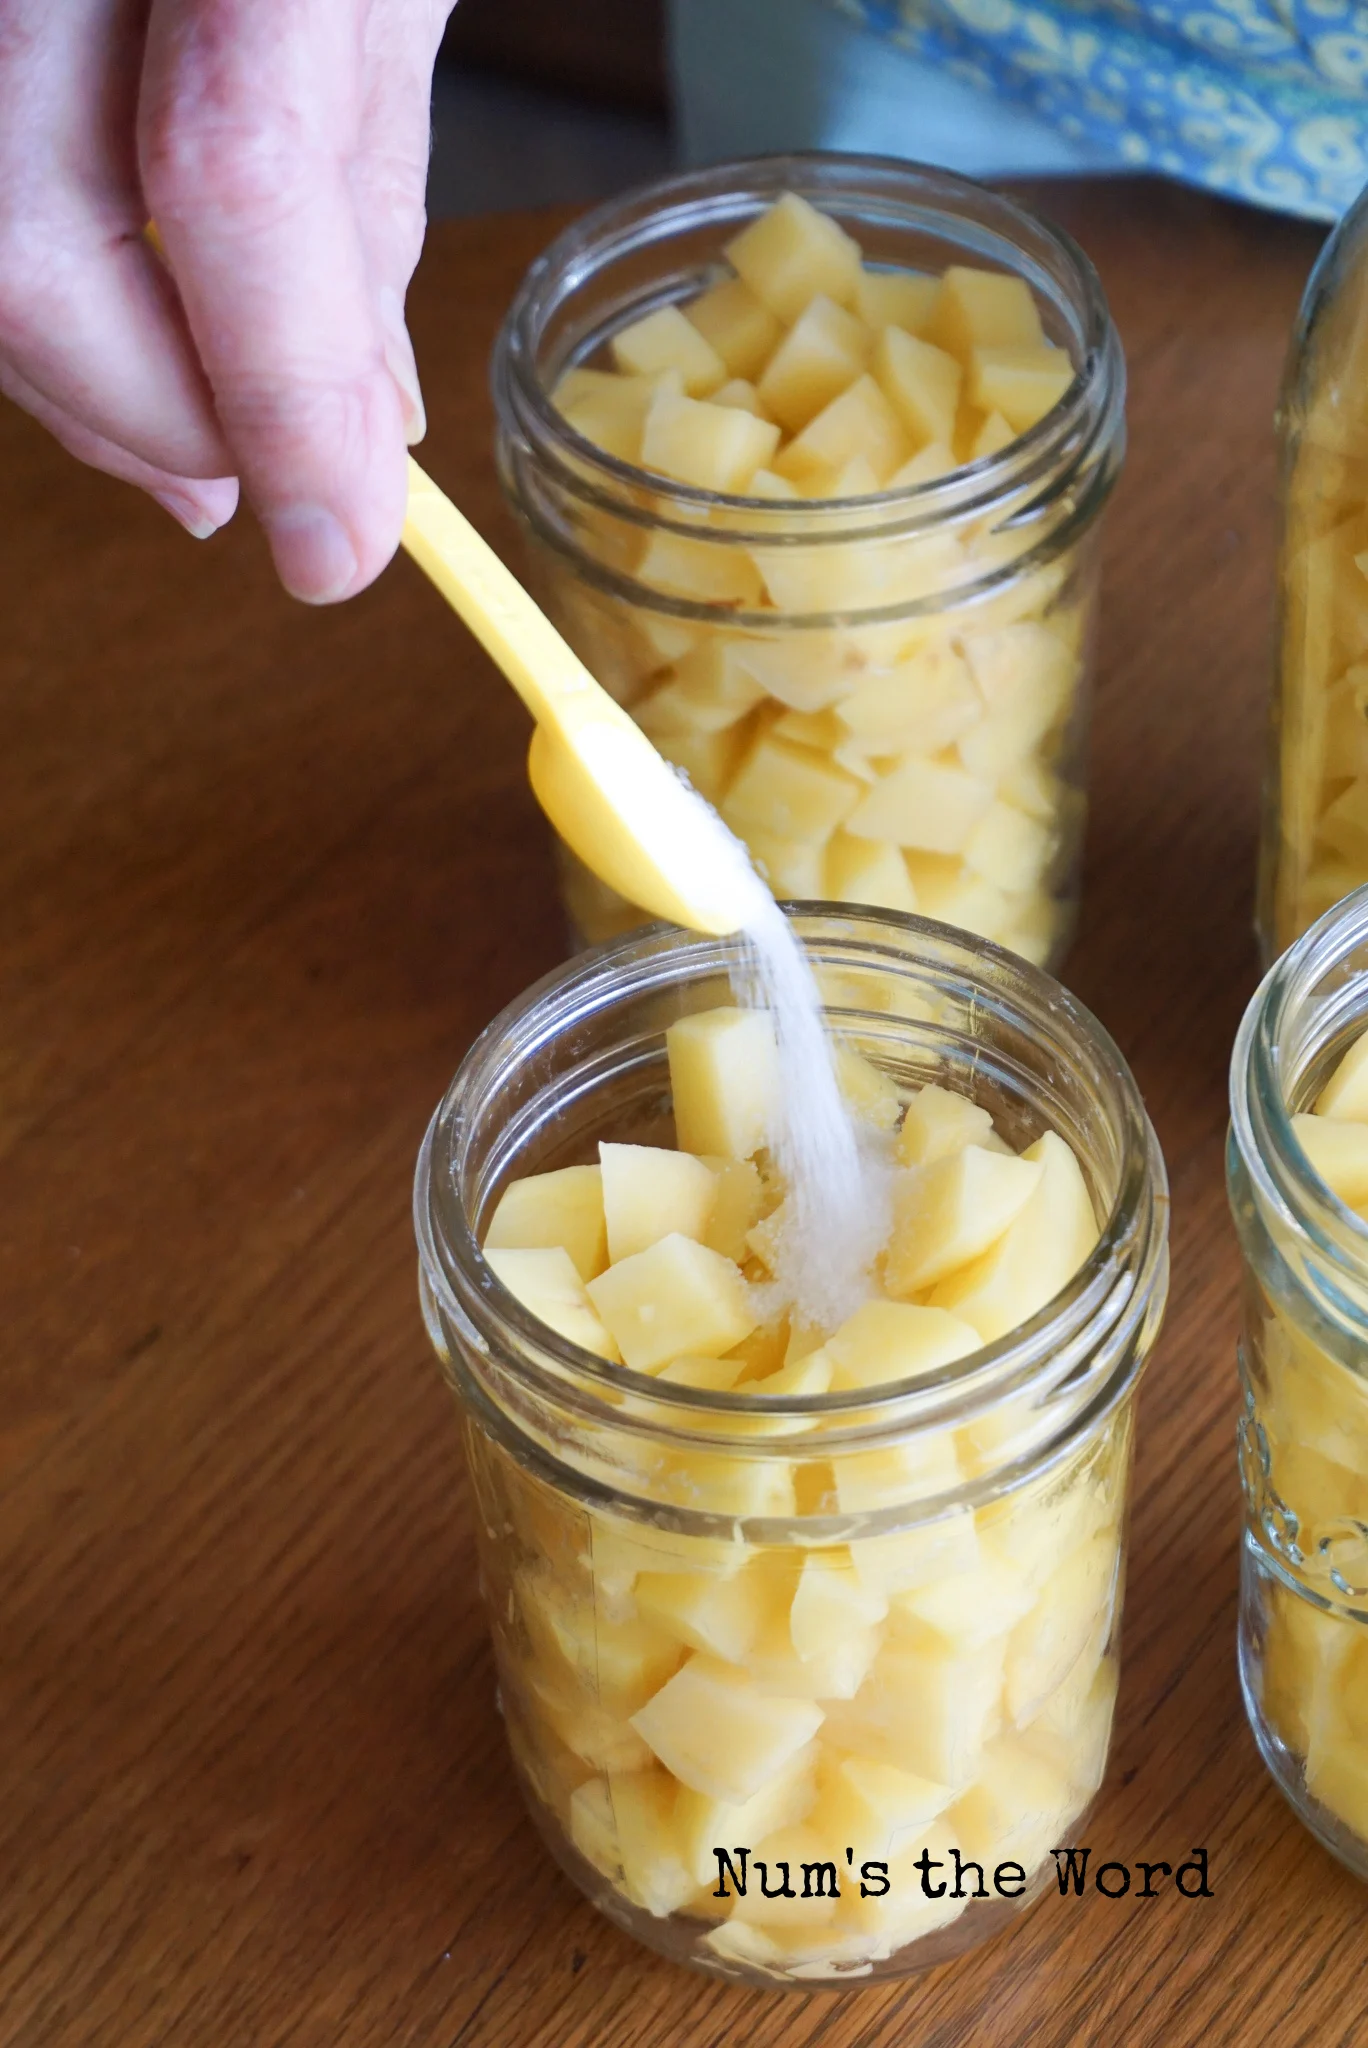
x: 250, y: 112
x: 389, y: 172
x: 200, y: 504
x: 88, y: 317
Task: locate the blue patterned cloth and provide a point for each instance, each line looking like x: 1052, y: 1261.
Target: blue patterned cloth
x: 1266, y: 100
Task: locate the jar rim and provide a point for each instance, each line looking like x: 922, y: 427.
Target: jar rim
x: 1278, y: 1044
x: 1080, y: 437
x: 1096, y: 1316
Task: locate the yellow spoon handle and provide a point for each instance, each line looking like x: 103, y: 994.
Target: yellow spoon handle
x: 546, y: 673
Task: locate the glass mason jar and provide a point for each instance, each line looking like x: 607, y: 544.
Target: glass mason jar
x: 944, y: 1686
x: 1314, y: 846
x: 942, y: 631
x: 1304, y: 1371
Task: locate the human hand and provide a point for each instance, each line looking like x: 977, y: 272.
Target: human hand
x: 281, y: 146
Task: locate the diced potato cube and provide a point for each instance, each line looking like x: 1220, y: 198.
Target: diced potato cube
x: 1020, y: 384
x: 925, y: 1708
x: 792, y: 867
x: 939, y: 1121
x: 715, y: 680
x: 564, y: 1208
x: 949, y: 1212
x: 704, y: 572
x: 1073, y: 1605
x: 895, y: 1340
x: 710, y: 1375
x: 869, y: 1093
x: 790, y: 792
x: 983, y: 309
x: 935, y: 460
x: 875, y: 1807
x: 970, y: 1608
x: 1073, y: 1728
x: 577, y: 1646
x: 549, y: 1287
x: 831, y: 1606
x: 597, y: 1735
x: 724, y: 1075
x: 677, y: 1297
x: 922, y: 803
x: 932, y: 1550
x: 665, y: 340
x: 918, y: 1469
x: 948, y: 891
x: 855, y: 479
x: 868, y: 871
x: 993, y: 435
x: 1338, y: 1151
x: 654, y: 1872
x: 895, y: 298
x: 1017, y: 1811
x: 741, y: 393
x: 742, y: 330
x: 1345, y: 1094
x: 714, y: 447
x: 738, y: 1200
x: 806, y: 671
x: 921, y: 383
x: 610, y: 410
x: 704, y: 1824
x: 858, y: 422
x: 905, y: 1913
x: 593, y: 1829
x: 1009, y: 848
x: 919, y: 707
x: 803, y: 1877
x: 820, y: 356
x: 719, y: 1734
x: 722, y: 1615
x: 1038, y: 1253
x: 648, y: 1193
x: 708, y: 759
x: 1026, y: 676
x: 766, y: 483
x: 792, y: 252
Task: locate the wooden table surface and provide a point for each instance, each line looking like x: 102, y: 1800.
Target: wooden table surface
x: 264, y: 872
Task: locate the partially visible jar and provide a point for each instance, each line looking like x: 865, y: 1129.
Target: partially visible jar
x: 1314, y: 846
x: 934, y: 641
x: 897, y: 1615
x: 1304, y: 1373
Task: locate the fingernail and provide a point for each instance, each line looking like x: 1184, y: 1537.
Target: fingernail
x: 402, y: 364
x: 313, y: 554
x: 187, y: 513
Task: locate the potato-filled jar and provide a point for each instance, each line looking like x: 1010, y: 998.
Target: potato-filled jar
x: 803, y: 1685
x: 810, y: 454
x: 1314, y: 846
x: 1298, y: 1176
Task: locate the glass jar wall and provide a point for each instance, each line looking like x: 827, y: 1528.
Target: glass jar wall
x: 1304, y: 1372
x: 839, y: 1630
x: 1315, y: 834
x: 886, y: 695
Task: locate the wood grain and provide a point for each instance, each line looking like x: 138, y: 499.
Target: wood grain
x: 266, y: 871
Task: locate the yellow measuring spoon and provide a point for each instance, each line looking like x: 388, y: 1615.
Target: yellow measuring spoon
x: 609, y: 794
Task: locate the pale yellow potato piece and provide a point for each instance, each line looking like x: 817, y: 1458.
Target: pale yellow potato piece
x: 791, y: 792
x: 807, y: 671
x: 904, y: 1913
x: 820, y: 356
x: 815, y: 1889
x: 738, y: 1199
x: 792, y: 252
x: 1038, y: 1253
x: 704, y: 1824
x: 767, y: 483
x: 724, y: 1076
x: 919, y: 707
x: 707, y: 758
x: 1307, y: 1655
x: 929, y: 805
x: 874, y: 1807
x: 715, y: 681
x: 1026, y: 676
x: 737, y: 325
x: 648, y: 1193
x: 714, y: 447
x: 654, y: 1872
x: 939, y: 1121
x: 868, y: 871
x: 700, y: 571
x: 833, y: 1669
x: 858, y: 425
x: 926, y: 1707
x: 1073, y: 1605
x: 593, y: 1830
x: 674, y: 1298
x: 896, y: 1340
x: 935, y: 460
x: 947, y: 890
x: 993, y: 435
x: 563, y: 1208
x: 949, y: 1212
x: 719, y: 1735
x: 1073, y: 1728
x: 1019, y: 384
x: 983, y: 309
x: 895, y: 298
x: 933, y: 1550
x: 972, y: 1608
x: 1018, y: 1810
x: 598, y: 1735
x: 1345, y: 1094
x: 921, y: 383
x: 741, y: 393
x: 665, y: 340
x: 821, y: 730
x: 722, y: 1615
x: 792, y: 867
x: 1338, y: 1151
x: 576, y: 1645
x: 549, y: 1287
x: 1009, y: 848
x: 920, y: 1469
x: 611, y: 410
x: 868, y: 1092
x: 831, y: 1606
x: 709, y: 1375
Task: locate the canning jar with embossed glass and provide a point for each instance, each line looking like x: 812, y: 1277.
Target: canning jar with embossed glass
x: 824, y: 1628
x: 1298, y: 1143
